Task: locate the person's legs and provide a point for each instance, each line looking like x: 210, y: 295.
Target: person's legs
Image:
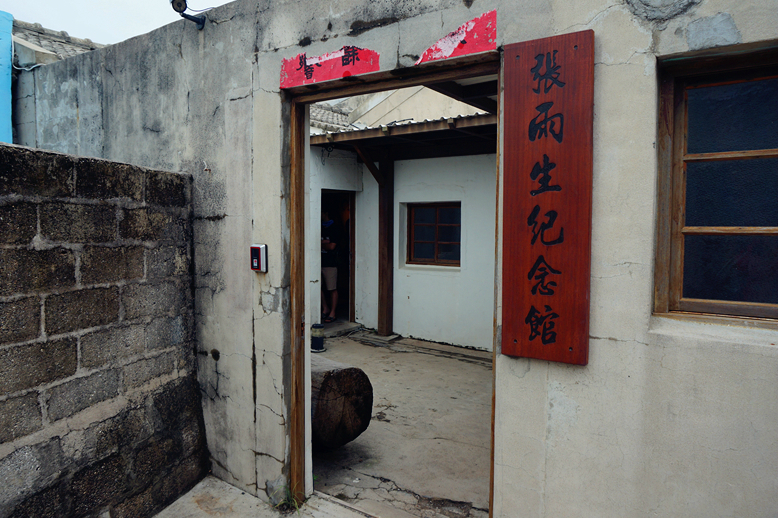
x: 333, y: 303
x: 330, y: 284
x: 325, y: 307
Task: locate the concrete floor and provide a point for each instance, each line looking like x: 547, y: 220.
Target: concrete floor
x: 214, y: 498
x: 424, y: 455
x: 426, y: 451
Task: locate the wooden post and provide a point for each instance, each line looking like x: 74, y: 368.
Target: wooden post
x: 385, y: 247
x: 296, y: 217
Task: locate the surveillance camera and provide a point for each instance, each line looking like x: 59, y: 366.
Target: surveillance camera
x: 179, y: 6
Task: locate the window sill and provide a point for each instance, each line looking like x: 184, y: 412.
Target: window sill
x: 431, y: 268
x: 741, y: 330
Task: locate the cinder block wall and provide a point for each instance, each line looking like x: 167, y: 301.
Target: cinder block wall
x: 99, y: 405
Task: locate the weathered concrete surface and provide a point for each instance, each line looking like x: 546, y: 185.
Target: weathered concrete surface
x: 670, y: 418
x: 713, y: 31
x: 427, y: 446
x: 214, y: 497
x: 96, y: 413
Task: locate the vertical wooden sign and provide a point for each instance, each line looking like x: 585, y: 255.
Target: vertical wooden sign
x: 547, y: 197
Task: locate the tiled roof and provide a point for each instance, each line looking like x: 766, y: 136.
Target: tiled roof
x: 436, y: 124
x: 327, y: 118
x: 58, y: 42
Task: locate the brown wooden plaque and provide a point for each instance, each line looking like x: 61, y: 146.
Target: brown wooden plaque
x: 547, y: 197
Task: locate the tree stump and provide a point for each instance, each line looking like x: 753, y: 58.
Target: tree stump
x: 341, y: 402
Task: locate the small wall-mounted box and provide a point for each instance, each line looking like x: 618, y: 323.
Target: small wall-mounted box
x: 259, y: 258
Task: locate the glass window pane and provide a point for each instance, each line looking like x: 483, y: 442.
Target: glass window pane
x: 732, y: 268
x: 733, y: 117
x: 424, y: 251
x: 449, y: 215
x: 732, y: 193
x: 448, y: 252
x: 449, y: 233
x: 424, y: 233
x: 423, y: 215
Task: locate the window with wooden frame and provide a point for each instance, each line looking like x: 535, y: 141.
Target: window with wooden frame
x: 717, y: 247
x: 434, y: 233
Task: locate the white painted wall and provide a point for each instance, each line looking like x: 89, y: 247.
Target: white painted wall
x: 444, y: 303
x: 337, y: 170
x: 366, y: 278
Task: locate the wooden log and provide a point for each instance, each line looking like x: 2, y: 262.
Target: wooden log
x: 341, y: 402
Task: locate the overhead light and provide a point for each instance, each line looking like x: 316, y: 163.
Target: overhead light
x: 179, y: 6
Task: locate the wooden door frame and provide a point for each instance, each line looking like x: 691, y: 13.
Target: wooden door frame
x: 486, y: 63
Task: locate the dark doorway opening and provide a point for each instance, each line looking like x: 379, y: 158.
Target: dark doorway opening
x: 340, y: 207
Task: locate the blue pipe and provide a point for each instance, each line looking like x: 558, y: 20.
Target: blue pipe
x: 6, y: 63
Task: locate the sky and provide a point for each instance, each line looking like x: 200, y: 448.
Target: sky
x: 102, y: 21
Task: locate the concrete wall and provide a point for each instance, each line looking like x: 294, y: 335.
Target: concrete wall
x: 443, y: 303
x: 670, y: 417
x: 98, y: 403
x: 183, y: 100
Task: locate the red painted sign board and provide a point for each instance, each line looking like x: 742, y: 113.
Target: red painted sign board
x: 477, y: 35
x: 348, y: 61
x: 547, y: 197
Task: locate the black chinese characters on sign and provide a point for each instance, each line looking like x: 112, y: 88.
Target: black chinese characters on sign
x: 548, y: 102
x: 350, y: 56
x: 539, y: 272
x: 542, y: 323
x: 550, y: 77
x: 305, y: 67
x: 541, y: 173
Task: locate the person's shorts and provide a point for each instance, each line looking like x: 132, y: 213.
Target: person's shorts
x: 329, y: 277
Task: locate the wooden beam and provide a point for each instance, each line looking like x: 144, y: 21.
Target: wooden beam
x: 483, y: 64
x: 404, y: 129
x: 475, y: 95
x: 386, y: 248
x: 370, y: 164
x: 452, y: 125
x: 497, y: 323
x: 352, y: 267
x: 429, y: 151
x: 296, y: 218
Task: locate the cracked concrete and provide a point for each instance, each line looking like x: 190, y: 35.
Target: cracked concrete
x: 213, y: 497
x: 426, y: 451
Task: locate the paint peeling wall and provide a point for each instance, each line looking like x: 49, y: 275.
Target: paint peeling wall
x: 670, y: 418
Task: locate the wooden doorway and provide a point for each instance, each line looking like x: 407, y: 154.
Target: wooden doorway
x: 441, y: 74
